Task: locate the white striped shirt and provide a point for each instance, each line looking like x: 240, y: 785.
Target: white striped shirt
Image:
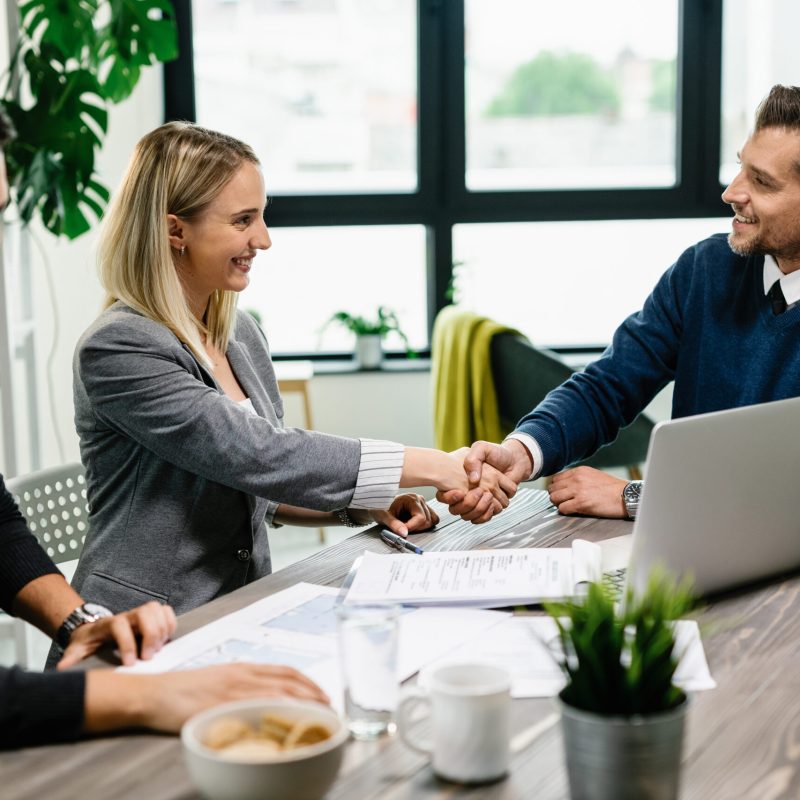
x: 378, y: 474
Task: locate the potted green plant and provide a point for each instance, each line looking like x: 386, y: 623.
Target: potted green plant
x: 622, y: 716
x: 369, y: 333
x: 71, y: 61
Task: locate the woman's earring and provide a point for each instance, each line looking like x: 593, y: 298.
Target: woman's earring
x: 182, y: 250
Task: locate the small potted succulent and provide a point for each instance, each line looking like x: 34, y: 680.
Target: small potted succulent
x: 369, y: 333
x: 622, y: 716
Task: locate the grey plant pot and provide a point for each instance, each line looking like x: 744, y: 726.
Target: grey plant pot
x: 369, y: 351
x: 623, y: 758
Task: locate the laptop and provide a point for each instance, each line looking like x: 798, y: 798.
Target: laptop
x: 721, y: 499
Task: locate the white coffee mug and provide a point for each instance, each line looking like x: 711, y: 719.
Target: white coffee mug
x: 470, y: 709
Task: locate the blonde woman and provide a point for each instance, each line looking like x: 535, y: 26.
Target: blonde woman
x: 177, y: 407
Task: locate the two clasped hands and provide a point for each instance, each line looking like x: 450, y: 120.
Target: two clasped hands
x: 491, y: 475
x: 475, y: 482
x: 494, y: 472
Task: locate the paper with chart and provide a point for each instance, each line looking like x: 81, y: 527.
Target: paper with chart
x: 298, y: 627
x: 523, y: 645
x: 479, y: 578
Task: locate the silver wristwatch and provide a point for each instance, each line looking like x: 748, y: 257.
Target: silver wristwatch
x: 631, y: 495
x: 88, y: 612
x: 343, y: 515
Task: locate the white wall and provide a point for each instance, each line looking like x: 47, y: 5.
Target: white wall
x: 379, y: 405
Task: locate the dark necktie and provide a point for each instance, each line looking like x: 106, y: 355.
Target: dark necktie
x: 777, y: 299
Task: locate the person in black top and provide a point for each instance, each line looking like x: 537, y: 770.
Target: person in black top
x: 56, y: 706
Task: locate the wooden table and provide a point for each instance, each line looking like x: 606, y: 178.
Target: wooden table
x: 743, y: 738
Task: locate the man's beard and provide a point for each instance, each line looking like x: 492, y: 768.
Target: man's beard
x: 750, y: 247
x: 756, y: 247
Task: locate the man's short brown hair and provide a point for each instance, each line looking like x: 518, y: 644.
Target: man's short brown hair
x: 779, y: 109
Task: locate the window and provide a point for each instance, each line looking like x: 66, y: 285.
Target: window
x: 311, y: 273
x: 550, y: 104
x: 401, y: 137
x: 759, y: 50
x: 324, y: 91
x: 562, y: 288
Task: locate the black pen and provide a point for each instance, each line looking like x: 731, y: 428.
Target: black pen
x: 400, y: 543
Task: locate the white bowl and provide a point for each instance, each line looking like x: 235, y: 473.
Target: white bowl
x: 302, y: 774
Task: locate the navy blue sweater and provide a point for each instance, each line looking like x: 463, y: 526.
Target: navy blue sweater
x: 707, y: 325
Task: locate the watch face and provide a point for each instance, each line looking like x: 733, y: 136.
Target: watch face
x: 633, y: 491
x: 95, y: 609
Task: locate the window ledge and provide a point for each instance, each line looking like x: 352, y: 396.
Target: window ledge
x: 389, y: 367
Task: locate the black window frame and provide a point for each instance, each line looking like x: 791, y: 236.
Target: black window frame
x: 442, y: 199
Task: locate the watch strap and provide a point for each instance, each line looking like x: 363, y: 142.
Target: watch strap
x: 631, y: 497
x: 82, y: 615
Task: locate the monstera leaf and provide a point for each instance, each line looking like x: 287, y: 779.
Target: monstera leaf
x: 67, y: 25
x: 140, y: 31
x: 74, y: 57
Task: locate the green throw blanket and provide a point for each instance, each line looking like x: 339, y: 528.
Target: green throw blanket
x: 464, y: 398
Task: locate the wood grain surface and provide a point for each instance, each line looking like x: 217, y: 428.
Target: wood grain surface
x: 743, y: 738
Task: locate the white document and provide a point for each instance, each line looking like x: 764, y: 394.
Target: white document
x: 481, y: 578
x: 298, y: 627
x: 522, y: 645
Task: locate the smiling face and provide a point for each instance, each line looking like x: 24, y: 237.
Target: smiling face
x: 221, y: 243
x: 765, y: 197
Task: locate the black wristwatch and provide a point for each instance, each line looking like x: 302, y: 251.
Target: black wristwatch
x: 88, y: 612
x: 631, y: 496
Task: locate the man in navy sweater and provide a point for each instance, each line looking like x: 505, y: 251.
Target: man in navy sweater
x: 722, y: 322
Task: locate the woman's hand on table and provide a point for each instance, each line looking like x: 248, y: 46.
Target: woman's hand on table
x: 409, y: 513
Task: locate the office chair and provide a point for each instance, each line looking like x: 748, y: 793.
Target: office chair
x: 524, y: 374
x: 53, y: 501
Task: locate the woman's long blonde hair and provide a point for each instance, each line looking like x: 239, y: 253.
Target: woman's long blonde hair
x: 179, y: 168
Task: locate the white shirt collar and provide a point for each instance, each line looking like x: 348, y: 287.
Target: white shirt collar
x: 790, y: 284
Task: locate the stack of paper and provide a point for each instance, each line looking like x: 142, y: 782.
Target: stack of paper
x: 479, y: 578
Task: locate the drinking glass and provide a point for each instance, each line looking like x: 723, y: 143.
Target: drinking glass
x: 368, y: 649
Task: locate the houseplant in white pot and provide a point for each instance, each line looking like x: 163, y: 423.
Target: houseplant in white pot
x: 369, y: 333
x: 622, y: 716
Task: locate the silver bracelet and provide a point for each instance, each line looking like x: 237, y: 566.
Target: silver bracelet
x: 344, y: 517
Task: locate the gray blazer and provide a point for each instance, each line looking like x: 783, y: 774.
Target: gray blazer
x: 179, y: 477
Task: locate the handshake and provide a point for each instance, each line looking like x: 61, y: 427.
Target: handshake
x: 489, y: 477
x: 477, y: 482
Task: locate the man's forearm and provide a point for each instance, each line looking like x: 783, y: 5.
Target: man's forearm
x: 46, y: 602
